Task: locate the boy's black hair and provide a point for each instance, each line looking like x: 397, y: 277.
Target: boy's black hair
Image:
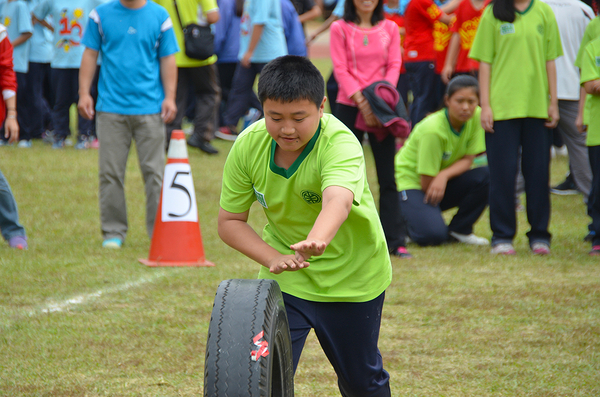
x: 350, y: 14
x: 460, y: 82
x: 290, y: 78
x: 239, y: 8
x: 504, y: 10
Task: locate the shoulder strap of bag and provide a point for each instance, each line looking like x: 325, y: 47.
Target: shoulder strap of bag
x: 178, y: 16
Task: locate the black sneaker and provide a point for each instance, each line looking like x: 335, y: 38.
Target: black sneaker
x: 590, y: 236
x: 205, y: 146
x: 566, y: 188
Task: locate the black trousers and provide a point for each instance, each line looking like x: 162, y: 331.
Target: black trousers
x: 593, y: 204
x: 502, y: 149
x: 426, y: 226
x: 383, y: 152
x: 348, y: 332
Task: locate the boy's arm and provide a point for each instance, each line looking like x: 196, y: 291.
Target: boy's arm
x: 22, y: 39
x: 43, y: 22
x: 487, y: 116
x: 168, y: 76
x: 257, y: 31
x: 579, y: 119
x: 86, y: 75
x: 337, y: 203
x: 553, y: 115
x: 450, y: 63
x: 11, y: 127
x: 235, y: 231
x: 592, y: 87
x: 311, y: 14
x: 435, y: 186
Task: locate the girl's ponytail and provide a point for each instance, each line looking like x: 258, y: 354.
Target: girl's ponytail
x: 504, y: 10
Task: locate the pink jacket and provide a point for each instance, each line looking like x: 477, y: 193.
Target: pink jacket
x: 363, y: 56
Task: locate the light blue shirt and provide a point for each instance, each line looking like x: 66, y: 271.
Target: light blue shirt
x: 17, y: 19
x: 131, y: 42
x: 41, y: 50
x: 272, y: 42
x: 70, y: 20
x: 338, y: 11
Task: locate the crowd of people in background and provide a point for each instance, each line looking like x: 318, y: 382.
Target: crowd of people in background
x: 480, y: 92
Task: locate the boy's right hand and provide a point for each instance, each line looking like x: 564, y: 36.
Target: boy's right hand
x: 286, y: 262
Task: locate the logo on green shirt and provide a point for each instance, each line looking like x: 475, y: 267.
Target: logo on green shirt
x: 446, y: 155
x: 507, y: 28
x: 311, y: 197
x: 540, y: 29
x: 260, y: 198
x: 598, y: 62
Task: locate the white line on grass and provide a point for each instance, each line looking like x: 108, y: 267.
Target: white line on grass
x: 66, y: 304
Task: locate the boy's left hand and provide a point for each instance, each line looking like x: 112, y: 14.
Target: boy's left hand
x: 308, y: 248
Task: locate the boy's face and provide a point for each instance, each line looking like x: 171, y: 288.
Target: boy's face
x: 292, y: 124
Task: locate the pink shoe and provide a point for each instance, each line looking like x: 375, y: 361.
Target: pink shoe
x: 94, y: 144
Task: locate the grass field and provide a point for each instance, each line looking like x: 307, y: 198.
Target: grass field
x: 77, y: 320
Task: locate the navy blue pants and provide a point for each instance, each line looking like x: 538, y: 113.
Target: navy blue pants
x: 426, y: 226
x: 593, y: 204
x: 24, y: 109
x: 65, y: 83
x: 383, y: 152
x: 425, y: 85
x: 502, y: 149
x: 38, y: 74
x: 348, y: 334
x: 242, y: 95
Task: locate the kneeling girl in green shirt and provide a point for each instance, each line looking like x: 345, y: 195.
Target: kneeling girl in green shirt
x: 433, y: 169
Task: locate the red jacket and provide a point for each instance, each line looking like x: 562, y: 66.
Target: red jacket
x: 8, y: 78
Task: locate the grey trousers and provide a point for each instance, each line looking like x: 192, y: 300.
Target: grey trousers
x: 115, y: 133
x: 204, y: 83
x: 578, y: 153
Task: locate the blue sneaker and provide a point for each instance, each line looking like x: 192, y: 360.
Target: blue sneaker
x: 250, y: 117
x: 82, y: 143
x: 59, y: 143
x: 114, y: 243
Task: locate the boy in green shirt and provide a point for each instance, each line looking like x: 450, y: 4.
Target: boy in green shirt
x: 590, y: 81
x: 323, y: 242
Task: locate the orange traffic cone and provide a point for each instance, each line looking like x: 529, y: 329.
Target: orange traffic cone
x: 176, y: 240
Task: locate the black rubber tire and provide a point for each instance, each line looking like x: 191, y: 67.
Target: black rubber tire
x: 242, y: 309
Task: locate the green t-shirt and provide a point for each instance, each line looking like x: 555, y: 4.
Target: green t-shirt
x: 188, y: 12
x: 590, y: 70
x: 434, y: 145
x: 592, y: 32
x: 518, y: 53
x: 356, y: 265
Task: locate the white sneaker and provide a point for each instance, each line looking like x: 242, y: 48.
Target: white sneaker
x: 25, y: 143
x: 469, y: 239
x: 503, y: 249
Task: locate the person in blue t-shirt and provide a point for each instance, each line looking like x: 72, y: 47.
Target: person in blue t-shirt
x: 14, y: 14
x: 261, y: 40
x: 70, y: 21
x: 136, y: 97
x: 38, y: 77
x: 292, y: 27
